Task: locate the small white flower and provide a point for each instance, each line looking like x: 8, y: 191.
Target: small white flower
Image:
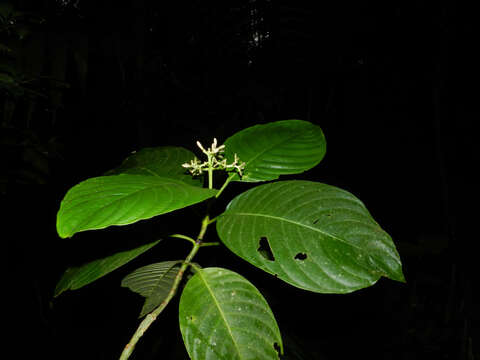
x: 195, y: 166
x: 216, y: 150
x: 215, y: 161
x: 213, y: 150
x: 199, y: 144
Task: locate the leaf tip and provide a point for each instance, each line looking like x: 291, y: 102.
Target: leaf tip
x: 57, y: 292
x: 401, y: 278
x: 63, y: 234
x: 397, y: 275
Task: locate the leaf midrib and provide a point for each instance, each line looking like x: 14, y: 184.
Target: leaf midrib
x: 158, y: 279
x: 147, y: 186
x: 273, y: 146
x: 219, y: 310
x: 373, y: 256
x: 298, y: 224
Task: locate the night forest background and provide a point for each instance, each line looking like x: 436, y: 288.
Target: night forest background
x: 393, y: 85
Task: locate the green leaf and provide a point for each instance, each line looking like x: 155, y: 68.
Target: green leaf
x: 165, y: 161
x: 278, y: 148
x: 223, y: 316
x: 153, y: 282
x: 313, y: 236
x: 77, y: 277
x: 103, y: 201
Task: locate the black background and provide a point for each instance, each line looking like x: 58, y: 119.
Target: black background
x: 393, y: 86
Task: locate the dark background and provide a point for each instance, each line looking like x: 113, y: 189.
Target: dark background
x: 392, y: 85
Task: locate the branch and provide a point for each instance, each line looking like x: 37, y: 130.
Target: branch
x: 150, y: 318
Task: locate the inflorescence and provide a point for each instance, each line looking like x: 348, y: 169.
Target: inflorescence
x: 215, y: 161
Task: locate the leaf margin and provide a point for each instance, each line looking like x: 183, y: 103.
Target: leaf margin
x: 93, y: 186
x: 250, y: 253
x: 74, y: 277
x: 186, y: 317
x: 292, y: 129
x: 149, y: 303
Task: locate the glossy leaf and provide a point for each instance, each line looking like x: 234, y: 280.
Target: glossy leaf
x: 153, y: 282
x: 103, y: 201
x: 165, y: 161
x: 77, y: 277
x: 223, y: 316
x: 278, y: 148
x: 313, y: 236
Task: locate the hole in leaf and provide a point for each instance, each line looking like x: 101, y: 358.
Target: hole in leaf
x: 264, y: 249
x: 277, y: 348
x: 300, y: 256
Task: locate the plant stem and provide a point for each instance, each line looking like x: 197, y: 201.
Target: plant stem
x: 210, y: 244
x: 180, y: 236
x: 150, y: 318
x: 211, y: 221
x: 230, y: 177
x: 210, y: 172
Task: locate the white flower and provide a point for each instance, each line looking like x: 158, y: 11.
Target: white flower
x: 215, y: 160
x: 213, y: 150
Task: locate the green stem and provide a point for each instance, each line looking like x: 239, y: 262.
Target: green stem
x: 211, y: 221
x: 150, y: 318
x: 185, y: 237
x: 230, y: 177
x: 213, y: 243
x: 210, y: 172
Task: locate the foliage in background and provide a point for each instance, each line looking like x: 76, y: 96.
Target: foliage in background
x: 24, y: 86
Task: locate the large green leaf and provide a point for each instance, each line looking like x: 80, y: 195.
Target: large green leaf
x: 103, y: 201
x: 223, y: 316
x: 278, y: 148
x: 77, y: 277
x: 311, y: 235
x: 153, y: 282
x: 165, y: 161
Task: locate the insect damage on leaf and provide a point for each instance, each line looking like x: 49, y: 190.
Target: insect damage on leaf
x: 264, y: 249
x: 300, y: 256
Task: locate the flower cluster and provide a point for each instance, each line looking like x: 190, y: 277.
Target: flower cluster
x: 215, y: 161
